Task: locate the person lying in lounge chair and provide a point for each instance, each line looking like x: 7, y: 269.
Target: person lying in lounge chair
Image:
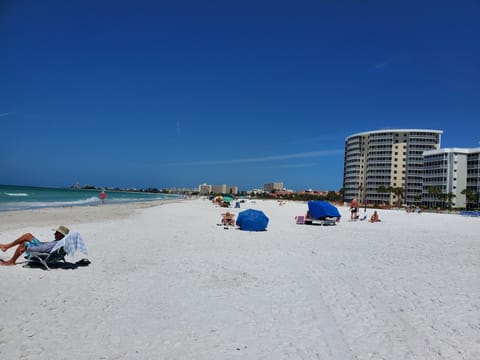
x: 28, y: 242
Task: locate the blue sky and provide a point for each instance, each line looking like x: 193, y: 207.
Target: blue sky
x: 179, y: 93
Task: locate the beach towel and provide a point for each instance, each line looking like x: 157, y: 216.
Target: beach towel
x: 72, y: 243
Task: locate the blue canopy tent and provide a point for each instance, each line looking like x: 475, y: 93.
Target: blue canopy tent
x: 323, y: 211
x: 252, y: 220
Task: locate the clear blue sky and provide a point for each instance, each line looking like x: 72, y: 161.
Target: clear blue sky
x: 179, y: 93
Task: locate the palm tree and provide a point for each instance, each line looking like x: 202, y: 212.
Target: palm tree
x: 417, y: 198
x: 449, y: 196
x: 399, y: 192
x: 435, y: 191
x: 382, y: 189
x: 471, y: 196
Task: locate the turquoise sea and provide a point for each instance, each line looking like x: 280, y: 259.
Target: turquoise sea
x: 27, y: 197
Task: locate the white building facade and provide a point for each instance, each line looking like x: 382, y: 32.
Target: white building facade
x: 275, y: 186
x: 451, y: 178
x: 386, y: 159
x: 473, y: 179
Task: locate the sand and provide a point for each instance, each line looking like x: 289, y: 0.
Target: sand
x: 166, y: 282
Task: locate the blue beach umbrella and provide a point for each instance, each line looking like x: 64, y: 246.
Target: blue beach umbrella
x: 321, y: 209
x: 252, y: 220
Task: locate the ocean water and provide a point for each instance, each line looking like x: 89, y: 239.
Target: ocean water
x: 26, y: 197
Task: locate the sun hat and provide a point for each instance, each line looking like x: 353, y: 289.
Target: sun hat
x: 62, y: 230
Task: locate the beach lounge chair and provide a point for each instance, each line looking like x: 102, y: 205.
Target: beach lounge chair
x: 300, y: 219
x: 69, y: 245
x: 35, y: 259
x: 325, y: 221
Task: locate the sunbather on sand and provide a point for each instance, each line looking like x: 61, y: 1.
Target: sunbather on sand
x: 374, y: 217
x: 228, y: 219
x: 30, y: 242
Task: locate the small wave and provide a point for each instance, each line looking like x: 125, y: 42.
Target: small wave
x: 16, y: 194
x: 35, y: 205
x: 94, y: 200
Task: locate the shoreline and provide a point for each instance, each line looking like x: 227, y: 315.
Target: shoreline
x: 25, y: 220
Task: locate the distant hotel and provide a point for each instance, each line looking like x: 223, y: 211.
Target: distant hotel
x: 411, y: 160
x: 271, y: 187
x: 205, y: 189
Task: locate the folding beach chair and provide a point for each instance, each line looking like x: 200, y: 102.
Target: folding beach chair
x: 300, y: 219
x: 35, y: 259
x: 325, y: 221
x: 69, y: 245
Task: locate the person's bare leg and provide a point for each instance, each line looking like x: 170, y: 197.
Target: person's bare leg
x: 19, y: 251
x: 21, y: 240
x: 20, y: 243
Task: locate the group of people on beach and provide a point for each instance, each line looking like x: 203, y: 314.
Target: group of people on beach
x: 354, y: 208
x: 28, y: 242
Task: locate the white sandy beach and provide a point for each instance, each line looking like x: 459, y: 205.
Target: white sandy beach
x: 167, y: 283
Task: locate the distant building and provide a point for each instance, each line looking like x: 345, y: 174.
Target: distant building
x: 232, y: 190
x: 256, y: 191
x: 275, y: 186
x: 447, y: 173
x: 473, y: 178
x: 219, y: 189
x: 387, y: 159
x: 205, y: 189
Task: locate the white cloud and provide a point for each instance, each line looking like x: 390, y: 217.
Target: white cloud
x: 297, y: 166
x: 304, y: 155
x: 7, y: 113
x: 381, y: 65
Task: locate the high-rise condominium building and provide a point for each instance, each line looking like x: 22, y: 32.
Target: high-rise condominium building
x: 376, y: 161
x: 451, y: 178
x: 473, y: 179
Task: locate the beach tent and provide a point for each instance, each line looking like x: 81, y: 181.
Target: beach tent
x: 252, y: 220
x: 322, y: 209
x: 227, y: 198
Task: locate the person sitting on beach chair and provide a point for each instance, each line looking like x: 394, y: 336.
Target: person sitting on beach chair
x: 67, y: 246
x: 228, y: 219
x: 374, y: 217
x: 28, y: 242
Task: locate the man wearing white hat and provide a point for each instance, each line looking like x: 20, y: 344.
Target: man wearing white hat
x: 31, y: 243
